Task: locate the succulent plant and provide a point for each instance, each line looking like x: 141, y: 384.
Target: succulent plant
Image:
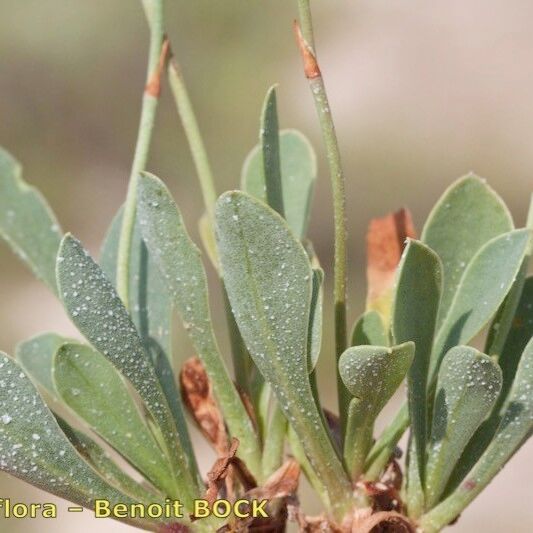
x: 107, y: 418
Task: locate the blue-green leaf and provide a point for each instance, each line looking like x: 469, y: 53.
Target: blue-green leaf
x: 269, y: 283
x: 467, y: 216
x: 298, y: 176
x: 315, y: 319
x: 34, y: 449
x: 481, y: 290
x: 467, y: 387
x: 369, y: 329
x: 96, y: 309
x: 27, y: 222
x: 180, y: 264
x: 515, y: 428
x: 372, y: 374
x: 89, y: 384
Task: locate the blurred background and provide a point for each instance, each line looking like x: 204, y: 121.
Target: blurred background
x: 422, y: 92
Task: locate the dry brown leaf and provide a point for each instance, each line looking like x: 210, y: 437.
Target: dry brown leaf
x: 198, y: 397
x: 385, y: 242
x: 388, y: 521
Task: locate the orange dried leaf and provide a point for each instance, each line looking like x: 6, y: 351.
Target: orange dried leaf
x: 385, y: 242
x: 198, y: 397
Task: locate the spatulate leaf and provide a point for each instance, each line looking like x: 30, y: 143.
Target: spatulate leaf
x: 369, y: 330
x: 180, y: 264
x: 91, y: 386
x: 27, y: 222
x: 96, y: 309
x: 269, y: 283
x: 468, y: 215
x: 34, y: 449
x: 468, y: 385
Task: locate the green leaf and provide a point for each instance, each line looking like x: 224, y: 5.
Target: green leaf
x: 519, y: 335
x: 36, y: 357
x: 315, y: 319
x: 96, y: 309
x: 27, y: 222
x: 151, y: 311
x: 369, y: 330
x: 467, y: 387
x: 269, y: 283
x: 34, y: 449
x: 483, y: 287
x: 93, y: 389
x: 100, y: 460
x: 467, y: 216
x: 270, y: 152
x: 414, y: 318
x: 298, y: 175
x: 372, y: 374
x: 180, y: 264
x: 515, y: 428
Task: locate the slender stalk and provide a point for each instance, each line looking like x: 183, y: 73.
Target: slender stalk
x: 194, y: 138
x: 305, y: 38
x: 156, y: 60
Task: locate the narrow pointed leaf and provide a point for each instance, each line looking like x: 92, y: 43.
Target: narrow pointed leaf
x: 372, y: 374
x: 151, y: 311
x: 298, y: 176
x: 96, y: 309
x: 515, y: 428
x: 27, y: 222
x: 269, y: 283
x: 94, y: 390
x: 467, y: 216
x: 180, y: 264
x: 270, y: 152
x: 315, y: 319
x: 467, y: 387
x: 482, y: 289
x: 34, y: 449
x: 369, y: 329
x: 414, y: 318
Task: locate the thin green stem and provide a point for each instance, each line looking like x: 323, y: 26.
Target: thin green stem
x: 312, y: 71
x: 275, y: 443
x: 194, y: 138
x: 154, y: 13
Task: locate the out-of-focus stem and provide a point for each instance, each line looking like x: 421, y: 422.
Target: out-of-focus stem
x: 304, y: 34
x: 194, y: 138
x: 156, y: 62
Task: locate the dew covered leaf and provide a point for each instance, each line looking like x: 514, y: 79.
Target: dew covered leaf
x: 101, y: 461
x: 519, y: 335
x: 369, y: 329
x: 36, y: 357
x: 96, y: 309
x: 27, y: 222
x: 34, y: 449
x: 515, y: 428
x: 179, y: 262
x: 151, y: 311
x: 315, y: 319
x: 468, y: 384
x: 468, y: 215
x: 414, y: 317
x: 298, y: 176
x: 269, y: 284
x: 372, y: 374
x: 91, y: 386
x: 482, y: 289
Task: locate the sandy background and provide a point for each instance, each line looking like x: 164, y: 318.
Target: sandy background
x: 422, y: 92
